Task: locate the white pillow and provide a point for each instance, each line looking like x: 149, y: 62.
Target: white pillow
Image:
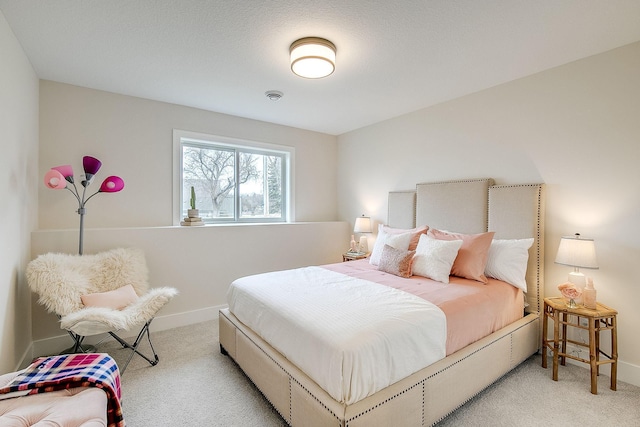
x: 399, y: 241
x: 507, y: 261
x: 434, y: 258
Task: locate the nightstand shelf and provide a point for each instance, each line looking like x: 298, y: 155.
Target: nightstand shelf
x: 601, y: 319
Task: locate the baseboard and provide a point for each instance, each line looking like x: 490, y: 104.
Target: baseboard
x: 177, y: 320
x: 26, y: 359
x: 57, y: 344
x: 627, y: 372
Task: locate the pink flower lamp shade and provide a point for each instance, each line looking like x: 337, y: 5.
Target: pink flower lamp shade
x: 66, y: 171
x: 91, y: 166
x: 55, y: 180
x: 112, y: 184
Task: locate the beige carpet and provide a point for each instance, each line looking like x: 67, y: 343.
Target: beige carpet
x: 194, y: 385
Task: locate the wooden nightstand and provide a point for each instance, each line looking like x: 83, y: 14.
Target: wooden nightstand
x: 602, y: 318
x: 350, y: 256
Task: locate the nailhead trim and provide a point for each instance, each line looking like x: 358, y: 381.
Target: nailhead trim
x: 424, y: 381
x: 291, y: 378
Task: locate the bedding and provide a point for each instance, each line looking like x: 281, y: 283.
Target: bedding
x: 472, y: 255
x: 352, y: 336
x: 396, y: 240
x: 396, y: 261
x: 434, y: 258
x: 415, y: 232
x: 507, y: 261
x: 473, y: 309
x: 355, y: 329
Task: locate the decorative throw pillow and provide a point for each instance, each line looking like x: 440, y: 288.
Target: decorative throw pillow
x: 472, y: 256
x: 396, y: 261
x: 434, y: 258
x: 507, y: 261
x: 116, y: 299
x: 398, y: 241
x: 415, y: 233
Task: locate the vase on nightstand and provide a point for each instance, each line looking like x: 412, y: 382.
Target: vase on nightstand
x: 589, y: 295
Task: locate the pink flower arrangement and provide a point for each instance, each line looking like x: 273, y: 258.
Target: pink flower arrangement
x: 569, y: 290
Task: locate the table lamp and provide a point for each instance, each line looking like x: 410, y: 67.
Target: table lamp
x: 363, y: 225
x: 578, y: 253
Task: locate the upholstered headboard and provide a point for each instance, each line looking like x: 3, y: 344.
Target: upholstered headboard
x: 476, y: 206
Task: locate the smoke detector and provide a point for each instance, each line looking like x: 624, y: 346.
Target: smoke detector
x: 274, y: 95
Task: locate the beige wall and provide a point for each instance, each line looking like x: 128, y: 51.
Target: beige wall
x: 200, y: 262
x: 575, y: 128
x: 133, y: 138
x: 18, y: 194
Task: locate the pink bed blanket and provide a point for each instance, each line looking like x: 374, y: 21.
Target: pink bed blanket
x: 69, y: 371
x: 473, y: 309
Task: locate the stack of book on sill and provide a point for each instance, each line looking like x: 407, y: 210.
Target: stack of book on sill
x: 192, y: 221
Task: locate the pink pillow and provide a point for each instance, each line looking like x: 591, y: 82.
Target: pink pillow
x: 396, y: 261
x: 116, y: 299
x: 415, y: 234
x: 472, y: 255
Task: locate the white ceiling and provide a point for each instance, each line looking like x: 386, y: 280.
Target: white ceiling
x: 393, y: 57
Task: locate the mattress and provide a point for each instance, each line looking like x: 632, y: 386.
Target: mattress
x: 355, y: 330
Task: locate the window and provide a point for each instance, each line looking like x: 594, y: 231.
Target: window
x: 233, y: 180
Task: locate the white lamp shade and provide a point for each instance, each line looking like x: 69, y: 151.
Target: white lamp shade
x: 577, y: 252
x: 313, y: 57
x: 362, y: 225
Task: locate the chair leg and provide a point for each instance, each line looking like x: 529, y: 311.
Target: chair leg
x: 77, y: 343
x: 134, y: 347
x: 77, y: 346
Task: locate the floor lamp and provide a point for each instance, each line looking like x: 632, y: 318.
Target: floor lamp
x: 61, y: 177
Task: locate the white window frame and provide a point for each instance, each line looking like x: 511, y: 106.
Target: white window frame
x: 180, y: 135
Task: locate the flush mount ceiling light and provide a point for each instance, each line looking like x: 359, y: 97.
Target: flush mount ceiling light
x: 313, y: 57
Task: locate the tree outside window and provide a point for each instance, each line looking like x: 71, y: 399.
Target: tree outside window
x: 234, y: 183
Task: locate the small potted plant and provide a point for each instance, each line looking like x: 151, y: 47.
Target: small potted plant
x: 193, y: 212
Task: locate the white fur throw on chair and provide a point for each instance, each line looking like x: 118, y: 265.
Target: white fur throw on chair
x: 60, y: 280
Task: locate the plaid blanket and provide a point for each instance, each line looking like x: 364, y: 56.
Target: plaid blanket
x: 73, y: 370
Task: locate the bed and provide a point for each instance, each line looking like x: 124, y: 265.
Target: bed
x: 427, y: 395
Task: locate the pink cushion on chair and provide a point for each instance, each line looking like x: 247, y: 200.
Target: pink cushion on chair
x: 116, y: 299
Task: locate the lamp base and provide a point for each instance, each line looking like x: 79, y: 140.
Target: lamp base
x: 363, y: 246
x: 580, y: 281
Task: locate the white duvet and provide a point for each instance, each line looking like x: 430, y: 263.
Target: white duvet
x: 351, y: 336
